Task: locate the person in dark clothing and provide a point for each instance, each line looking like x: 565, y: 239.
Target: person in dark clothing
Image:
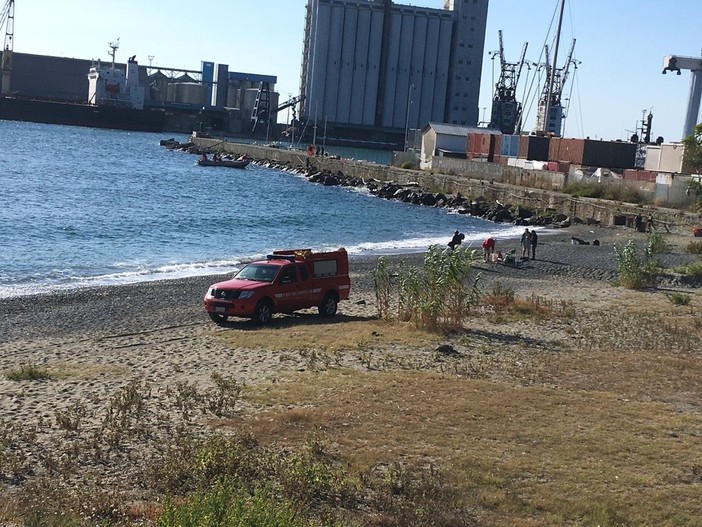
x: 638, y: 223
x: 456, y: 240
x: 534, y: 240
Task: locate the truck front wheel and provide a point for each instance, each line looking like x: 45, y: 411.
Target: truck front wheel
x: 328, y: 306
x: 263, y: 312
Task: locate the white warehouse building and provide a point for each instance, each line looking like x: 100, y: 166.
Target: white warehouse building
x: 379, y: 64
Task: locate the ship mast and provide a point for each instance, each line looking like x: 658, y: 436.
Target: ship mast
x: 113, y: 50
x: 547, y: 108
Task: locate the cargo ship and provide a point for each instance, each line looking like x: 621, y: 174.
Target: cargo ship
x: 115, y: 99
x: 77, y: 114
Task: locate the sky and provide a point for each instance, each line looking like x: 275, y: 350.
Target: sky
x: 620, y: 45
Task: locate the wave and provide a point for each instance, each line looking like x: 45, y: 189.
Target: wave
x: 134, y: 273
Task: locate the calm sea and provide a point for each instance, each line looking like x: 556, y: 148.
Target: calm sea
x: 81, y: 207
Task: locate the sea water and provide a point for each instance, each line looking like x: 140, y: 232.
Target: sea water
x: 82, y: 207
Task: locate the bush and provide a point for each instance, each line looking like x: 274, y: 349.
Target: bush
x: 694, y: 270
x: 436, y: 296
x: 656, y: 243
x: 680, y: 299
x: 592, y: 189
x: 407, y: 165
x: 635, y: 271
x: 225, y: 506
x: 28, y: 372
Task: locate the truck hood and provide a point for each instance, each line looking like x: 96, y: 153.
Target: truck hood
x: 240, y: 285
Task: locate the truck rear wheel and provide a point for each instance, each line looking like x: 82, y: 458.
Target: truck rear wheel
x: 263, y: 312
x: 328, y: 306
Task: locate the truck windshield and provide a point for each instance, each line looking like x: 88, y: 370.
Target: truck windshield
x: 258, y: 272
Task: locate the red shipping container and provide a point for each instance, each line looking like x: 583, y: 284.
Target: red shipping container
x: 523, y: 147
x: 567, y: 149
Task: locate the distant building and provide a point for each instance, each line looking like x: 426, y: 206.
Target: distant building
x: 373, y: 63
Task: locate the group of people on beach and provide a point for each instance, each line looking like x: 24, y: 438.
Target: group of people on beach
x: 528, y: 243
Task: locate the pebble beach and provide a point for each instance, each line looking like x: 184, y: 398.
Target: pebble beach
x: 95, y: 342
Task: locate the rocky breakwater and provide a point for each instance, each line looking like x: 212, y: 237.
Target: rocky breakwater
x: 413, y: 193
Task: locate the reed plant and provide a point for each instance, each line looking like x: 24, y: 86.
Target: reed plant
x: 636, y: 270
x: 437, y: 296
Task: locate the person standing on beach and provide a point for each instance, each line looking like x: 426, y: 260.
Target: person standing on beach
x: 456, y: 240
x: 534, y: 240
x: 488, y: 249
x: 525, y: 243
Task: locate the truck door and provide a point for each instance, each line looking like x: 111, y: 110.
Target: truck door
x: 287, y: 296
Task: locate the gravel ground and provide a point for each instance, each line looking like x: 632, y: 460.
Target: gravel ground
x: 140, y: 307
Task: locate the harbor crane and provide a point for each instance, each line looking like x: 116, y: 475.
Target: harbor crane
x: 551, y: 96
x: 677, y: 63
x: 506, y: 109
x: 7, y: 19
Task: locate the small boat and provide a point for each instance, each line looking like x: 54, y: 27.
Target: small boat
x: 234, y: 163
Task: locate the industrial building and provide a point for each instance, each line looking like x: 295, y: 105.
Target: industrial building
x: 374, y: 63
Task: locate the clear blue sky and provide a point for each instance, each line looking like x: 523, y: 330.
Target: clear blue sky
x: 620, y: 44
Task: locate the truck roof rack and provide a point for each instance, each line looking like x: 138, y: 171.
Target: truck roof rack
x: 288, y: 257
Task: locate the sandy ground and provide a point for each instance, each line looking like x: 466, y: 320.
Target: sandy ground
x: 96, y: 341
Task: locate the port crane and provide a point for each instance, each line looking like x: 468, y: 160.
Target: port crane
x: 550, y: 102
x: 677, y: 63
x: 506, y: 110
x: 7, y: 19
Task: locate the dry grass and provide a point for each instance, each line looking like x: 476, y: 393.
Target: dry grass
x: 606, y: 431
x: 337, y: 335
x: 548, y: 415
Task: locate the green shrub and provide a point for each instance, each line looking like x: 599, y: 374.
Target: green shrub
x: 437, y: 296
x: 28, y: 372
x: 693, y: 269
x: 656, y: 243
x: 635, y: 271
x: 679, y: 299
x: 407, y: 165
x: 592, y: 189
x: 225, y: 506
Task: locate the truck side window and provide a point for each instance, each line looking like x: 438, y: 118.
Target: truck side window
x: 304, y: 275
x: 288, y: 275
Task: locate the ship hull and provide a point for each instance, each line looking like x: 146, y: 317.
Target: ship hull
x: 51, y: 112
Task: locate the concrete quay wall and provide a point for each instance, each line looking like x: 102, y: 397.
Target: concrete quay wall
x: 508, y: 185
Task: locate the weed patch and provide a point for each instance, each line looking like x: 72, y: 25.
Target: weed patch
x: 28, y: 372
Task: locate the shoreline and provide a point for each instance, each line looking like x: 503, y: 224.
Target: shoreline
x: 165, y: 303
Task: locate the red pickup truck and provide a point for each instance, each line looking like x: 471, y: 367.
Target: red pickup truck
x: 282, y: 283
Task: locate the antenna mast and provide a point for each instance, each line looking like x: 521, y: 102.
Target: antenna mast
x: 114, y: 46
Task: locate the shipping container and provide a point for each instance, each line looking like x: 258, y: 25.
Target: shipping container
x: 509, y: 146
x: 653, y: 157
x: 552, y: 166
x: 672, y: 158
x: 533, y: 148
x: 609, y: 154
x: 481, y: 145
x: 566, y: 149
